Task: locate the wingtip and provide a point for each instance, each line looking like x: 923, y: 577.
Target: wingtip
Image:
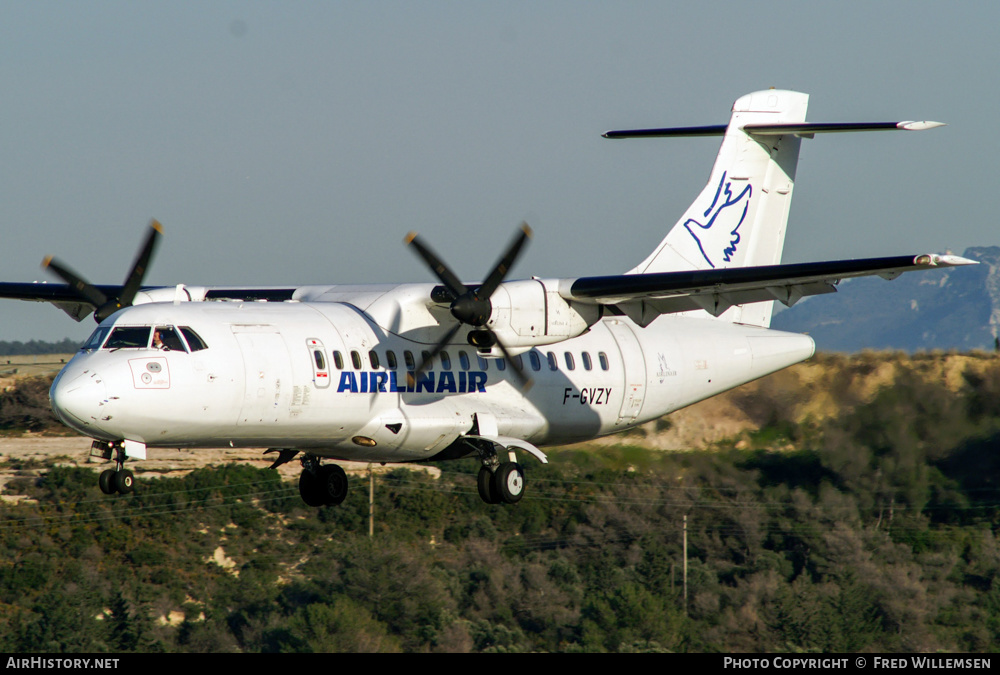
x: 155, y: 224
x: 46, y: 261
x: 943, y: 260
x: 527, y: 230
x: 919, y: 126
x: 409, y: 237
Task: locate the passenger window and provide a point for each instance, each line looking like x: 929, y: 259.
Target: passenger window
x: 536, y: 361
x: 356, y: 360
x: 570, y: 363
x: 518, y: 361
x: 501, y: 364
x: 483, y: 363
x: 373, y: 357
x: 445, y: 360
x: 338, y: 360
x: 463, y: 360
x: 195, y: 343
x: 553, y: 362
x: 603, y: 358
x: 165, y: 338
x: 318, y: 358
x: 408, y: 359
x: 128, y: 337
x: 587, y: 364
x: 390, y: 360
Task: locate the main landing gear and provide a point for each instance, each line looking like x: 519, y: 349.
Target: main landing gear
x: 505, y: 485
x: 326, y: 484
x: 322, y: 484
x: 319, y: 484
x: 499, y: 482
x: 119, y: 479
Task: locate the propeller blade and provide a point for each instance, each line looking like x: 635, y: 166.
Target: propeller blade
x: 441, y: 271
x: 471, y: 306
x: 526, y: 382
x: 103, y: 305
x: 411, y: 376
x: 133, y: 282
x: 83, y: 288
x: 496, y: 277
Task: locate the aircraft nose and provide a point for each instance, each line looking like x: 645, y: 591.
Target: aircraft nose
x: 81, y: 401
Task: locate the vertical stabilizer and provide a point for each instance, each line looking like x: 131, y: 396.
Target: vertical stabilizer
x: 739, y: 219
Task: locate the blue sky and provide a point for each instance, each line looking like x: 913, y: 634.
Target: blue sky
x: 299, y: 142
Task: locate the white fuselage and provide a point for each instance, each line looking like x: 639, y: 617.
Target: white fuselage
x: 300, y: 375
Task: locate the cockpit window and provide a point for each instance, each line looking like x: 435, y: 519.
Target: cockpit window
x: 128, y: 337
x: 166, y: 338
x: 96, y: 338
x: 193, y: 339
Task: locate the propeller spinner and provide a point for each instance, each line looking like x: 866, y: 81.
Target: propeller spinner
x: 471, y: 305
x: 103, y: 305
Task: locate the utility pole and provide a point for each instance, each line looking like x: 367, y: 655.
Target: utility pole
x: 685, y: 564
x: 371, y: 501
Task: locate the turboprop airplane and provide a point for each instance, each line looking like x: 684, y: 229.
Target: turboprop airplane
x: 425, y: 371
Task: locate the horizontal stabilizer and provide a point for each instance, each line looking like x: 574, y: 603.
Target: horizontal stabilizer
x: 810, y: 128
x: 712, y: 130
x: 803, y: 129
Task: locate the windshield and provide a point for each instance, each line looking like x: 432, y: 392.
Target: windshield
x: 96, y: 338
x: 128, y: 337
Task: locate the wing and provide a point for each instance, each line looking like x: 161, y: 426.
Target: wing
x: 62, y: 296
x: 643, y: 297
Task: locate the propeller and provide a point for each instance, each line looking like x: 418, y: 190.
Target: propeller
x: 471, y: 305
x: 103, y: 305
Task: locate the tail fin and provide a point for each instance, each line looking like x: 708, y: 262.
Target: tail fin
x: 739, y: 219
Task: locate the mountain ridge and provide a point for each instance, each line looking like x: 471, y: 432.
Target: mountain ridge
x: 956, y: 308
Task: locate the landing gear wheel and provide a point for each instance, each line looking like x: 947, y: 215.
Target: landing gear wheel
x: 124, y: 481
x: 508, y: 482
x: 107, y: 482
x: 333, y: 484
x: 486, y: 491
x: 309, y: 488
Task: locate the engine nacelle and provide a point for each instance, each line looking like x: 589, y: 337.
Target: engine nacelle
x: 531, y: 313
x: 179, y: 293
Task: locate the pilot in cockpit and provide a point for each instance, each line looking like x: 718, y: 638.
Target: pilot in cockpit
x: 158, y: 341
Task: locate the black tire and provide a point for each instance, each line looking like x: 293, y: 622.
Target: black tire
x: 107, y: 482
x: 124, y: 481
x: 333, y: 484
x: 508, y: 482
x: 309, y: 488
x: 486, y: 491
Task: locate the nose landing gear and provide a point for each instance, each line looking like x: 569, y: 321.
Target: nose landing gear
x: 119, y: 479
